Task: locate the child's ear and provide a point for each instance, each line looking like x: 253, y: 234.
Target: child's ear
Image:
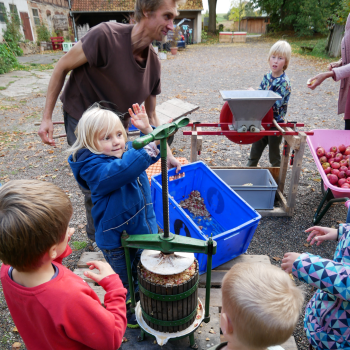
x: 225, y: 324
x: 53, y: 252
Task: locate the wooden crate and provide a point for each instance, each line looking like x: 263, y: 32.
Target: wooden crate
x: 239, y: 37
x: 225, y: 37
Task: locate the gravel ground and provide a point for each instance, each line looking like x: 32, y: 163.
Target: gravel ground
x: 196, y: 76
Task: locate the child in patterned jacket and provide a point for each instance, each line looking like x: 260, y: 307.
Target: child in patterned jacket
x: 277, y: 81
x: 327, y: 315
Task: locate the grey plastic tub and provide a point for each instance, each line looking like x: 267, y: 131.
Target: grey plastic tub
x: 261, y: 195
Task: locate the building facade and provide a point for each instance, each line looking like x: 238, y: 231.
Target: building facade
x: 54, y: 14
x: 19, y: 8
x: 88, y: 13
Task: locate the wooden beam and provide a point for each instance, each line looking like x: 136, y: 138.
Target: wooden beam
x: 194, y: 152
x: 293, y: 141
x: 283, y: 200
x: 296, y: 170
x: 273, y: 212
x: 283, y: 169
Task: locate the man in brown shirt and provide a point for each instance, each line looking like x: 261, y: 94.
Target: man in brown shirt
x: 112, y: 62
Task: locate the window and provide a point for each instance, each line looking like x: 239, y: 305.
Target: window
x: 13, y: 9
x: 36, y: 17
x: 2, y: 13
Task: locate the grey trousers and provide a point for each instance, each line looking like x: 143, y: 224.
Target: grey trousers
x: 70, y: 124
x: 274, y: 151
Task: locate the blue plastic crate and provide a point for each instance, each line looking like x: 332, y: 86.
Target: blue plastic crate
x: 233, y: 220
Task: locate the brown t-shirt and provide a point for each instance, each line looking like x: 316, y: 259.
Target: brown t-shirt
x: 111, y: 73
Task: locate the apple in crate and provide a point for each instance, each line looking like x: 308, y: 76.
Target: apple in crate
x: 342, y: 148
x: 335, y: 172
x: 324, y: 159
x: 333, y: 149
x: 348, y: 180
x: 330, y: 155
x: 320, y: 152
x: 346, y: 185
x: 327, y: 165
x: 341, y: 174
x: 344, y: 162
x: 347, y: 151
x: 335, y: 165
x: 333, y: 179
x: 327, y: 170
x: 341, y: 182
x: 343, y: 168
x: 338, y: 157
x: 330, y: 160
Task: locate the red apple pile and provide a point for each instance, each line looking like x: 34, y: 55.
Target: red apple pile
x: 335, y: 164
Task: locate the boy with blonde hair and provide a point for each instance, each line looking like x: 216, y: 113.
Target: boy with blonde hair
x: 277, y: 81
x: 260, y: 307
x: 51, y: 306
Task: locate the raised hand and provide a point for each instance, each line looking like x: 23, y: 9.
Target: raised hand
x: 104, y: 268
x: 320, y: 234
x: 139, y: 118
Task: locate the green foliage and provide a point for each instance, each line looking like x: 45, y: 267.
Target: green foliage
x: 12, y: 33
x: 305, y: 17
x: 241, y: 8
x: 43, y: 33
x: 79, y: 245
x: 341, y: 13
x: 7, y: 60
x: 204, y: 35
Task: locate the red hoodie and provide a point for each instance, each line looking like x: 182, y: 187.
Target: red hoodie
x: 65, y: 313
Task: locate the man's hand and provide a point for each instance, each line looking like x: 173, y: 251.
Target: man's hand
x: 46, y: 132
x: 288, y: 261
x: 320, y: 234
x: 104, y: 268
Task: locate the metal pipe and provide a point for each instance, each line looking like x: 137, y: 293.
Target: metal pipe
x: 164, y: 167
x: 72, y: 15
x: 277, y: 126
x: 131, y: 283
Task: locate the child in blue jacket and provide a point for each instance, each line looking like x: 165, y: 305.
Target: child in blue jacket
x: 114, y: 171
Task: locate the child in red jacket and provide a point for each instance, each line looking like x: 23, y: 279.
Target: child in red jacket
x: 51, y: 306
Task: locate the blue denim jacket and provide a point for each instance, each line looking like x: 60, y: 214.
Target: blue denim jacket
x: 120, y: 192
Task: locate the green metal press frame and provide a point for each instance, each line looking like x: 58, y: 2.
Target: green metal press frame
x: 167, y: 242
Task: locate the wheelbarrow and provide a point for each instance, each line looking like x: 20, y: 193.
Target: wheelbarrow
x: 331, y: 194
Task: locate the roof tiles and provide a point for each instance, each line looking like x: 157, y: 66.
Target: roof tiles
x: 122, y: 5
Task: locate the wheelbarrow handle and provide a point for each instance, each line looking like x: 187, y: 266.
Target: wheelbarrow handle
x: 161, y: 132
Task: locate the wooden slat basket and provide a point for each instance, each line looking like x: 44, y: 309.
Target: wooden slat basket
x: 162, y: 304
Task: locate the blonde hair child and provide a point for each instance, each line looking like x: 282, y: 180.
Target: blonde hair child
x: 260, y: 307
x: 114, y: 171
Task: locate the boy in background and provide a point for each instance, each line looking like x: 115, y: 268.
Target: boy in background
x: 260, y: 307
x: 51, y: 306
x: 277, y: 81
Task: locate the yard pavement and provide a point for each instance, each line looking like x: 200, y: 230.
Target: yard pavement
x: 195, y: 75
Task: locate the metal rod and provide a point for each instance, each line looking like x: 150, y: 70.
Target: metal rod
x: 235, y: 133
x: 277, y: 126
x: 208, y: 280
x: 213, y: 125
x: 131, y: 282
x: 164, y: 168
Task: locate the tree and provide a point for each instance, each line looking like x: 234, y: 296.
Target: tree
x: 212, y: 16
x: 239, y: 9
x: 303, y: 16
